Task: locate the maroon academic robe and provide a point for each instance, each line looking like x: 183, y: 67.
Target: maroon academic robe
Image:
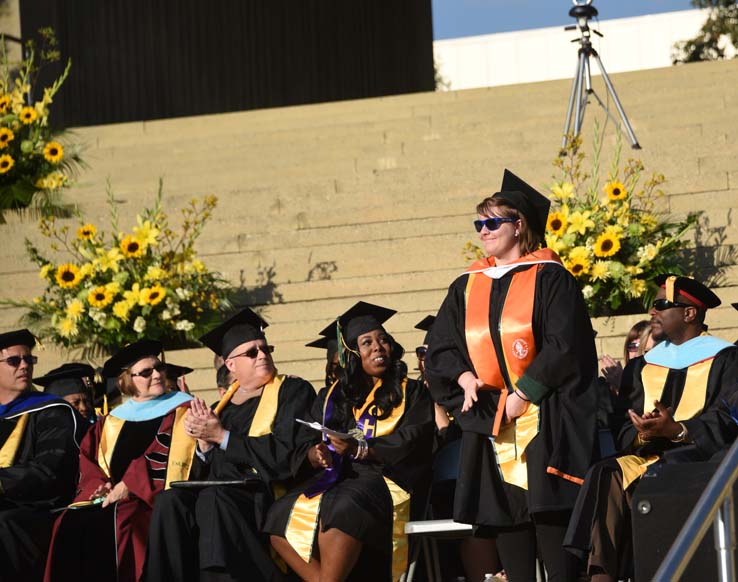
x: 110, y: 544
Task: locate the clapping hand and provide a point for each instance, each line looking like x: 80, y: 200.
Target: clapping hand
x: 202, y: 423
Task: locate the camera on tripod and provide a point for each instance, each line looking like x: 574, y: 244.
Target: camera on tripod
x: 581, y: 89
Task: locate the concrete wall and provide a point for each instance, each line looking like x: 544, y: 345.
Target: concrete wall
x: 323, y: 205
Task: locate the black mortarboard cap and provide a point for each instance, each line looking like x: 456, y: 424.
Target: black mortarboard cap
x: 19, y: 337
x: 425, y: 325
x: 243, y: 327
x: 690, y: 288
x: 329, y: 344
x: 174, y: 371
x: 363, y: 317
x: 71, y: 378
x: 129, y: 355
x: 527, y: 200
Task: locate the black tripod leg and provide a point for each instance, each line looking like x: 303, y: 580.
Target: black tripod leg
x: 611, y: 89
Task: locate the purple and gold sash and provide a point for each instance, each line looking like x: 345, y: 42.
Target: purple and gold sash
x: 303, y: 520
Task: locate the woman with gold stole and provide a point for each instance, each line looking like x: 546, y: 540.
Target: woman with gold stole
x: 346, y: 521
x: 126, y: 460
x: 512, y: 357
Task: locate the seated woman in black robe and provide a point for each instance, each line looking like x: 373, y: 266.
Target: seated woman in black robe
x: 126, y: 460
x: 358, y: 492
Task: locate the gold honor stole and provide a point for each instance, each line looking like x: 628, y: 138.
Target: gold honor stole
x: 10, y: 448
x: 303, y: 520
x: 181, y: 448
x: 518, y: 351
x: 691, y: 404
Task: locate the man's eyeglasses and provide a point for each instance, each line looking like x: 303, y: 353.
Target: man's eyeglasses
x: 15, y: 361
x: 147, y: 372
x: 253, y: 352
x: 420, y: 352
x: 663, y: 304
x: 492, y: 223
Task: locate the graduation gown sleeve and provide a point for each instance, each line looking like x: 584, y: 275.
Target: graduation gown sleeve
x: 46, y: 464
x: 406, y: 453
x: 270, y: 454
x: 710, y: 431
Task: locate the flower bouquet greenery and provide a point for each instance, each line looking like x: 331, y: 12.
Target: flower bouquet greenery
x: 110, y: 290
x: 34, y: 164
x: 610, y: 235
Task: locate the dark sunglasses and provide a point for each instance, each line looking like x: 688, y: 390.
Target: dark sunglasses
x: 663, y: 304
x: 633, y: 346
x: 420, y: 352
x: 492, y: 223
x: 253, y: 352
x: 147, y: 372
x: 15, y: 361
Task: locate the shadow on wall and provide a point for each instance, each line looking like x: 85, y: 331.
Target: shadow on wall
x: 711, y: 255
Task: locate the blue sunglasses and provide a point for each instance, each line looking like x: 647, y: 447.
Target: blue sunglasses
x: 492, y: 223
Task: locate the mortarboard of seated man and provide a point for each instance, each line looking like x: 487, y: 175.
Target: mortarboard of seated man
x: 679, y: 393
x: 39, y: 453
x: 214, y: 531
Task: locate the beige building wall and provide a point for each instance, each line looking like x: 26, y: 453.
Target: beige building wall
x: 323, y: 205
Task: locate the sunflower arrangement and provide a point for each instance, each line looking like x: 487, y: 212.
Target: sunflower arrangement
x: 609, y: 233
x: 34, y: 164
x: 110, y: 290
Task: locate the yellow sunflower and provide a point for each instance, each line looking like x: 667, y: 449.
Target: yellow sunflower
x: 6, y: 162
x: 4, y: 104
x: 100, y: 297
x: 557, y: 223
x: 131, y: 247
x: 68, y: 276
x: 153, y: 295
x: 578, y: 262
x: 615, y: 191
x: 53, y: 152
x: 6, y: 136
x: 606, y: 245
x: 28, y: 115
x: 86, y: 232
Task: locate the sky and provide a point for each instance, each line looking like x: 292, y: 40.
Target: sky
x: 457, y: 18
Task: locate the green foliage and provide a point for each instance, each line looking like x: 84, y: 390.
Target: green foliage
x: 710, y: 43
x: 106, y: 290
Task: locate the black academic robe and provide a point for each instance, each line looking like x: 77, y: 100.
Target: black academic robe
x: 561, y: 380
x: 217, y: 528
x: 41, y: 477
x: 360, y: 503
x: 608, y: 488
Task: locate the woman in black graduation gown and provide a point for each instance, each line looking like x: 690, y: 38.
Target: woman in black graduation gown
x: 126, y: 460
x: 512, y: 356
x: 339, y: 524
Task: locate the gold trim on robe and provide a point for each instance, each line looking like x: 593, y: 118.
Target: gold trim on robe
x: 303, y: 521
x: 691, y: 404
x: 266, y: 411
x: 11, y: 445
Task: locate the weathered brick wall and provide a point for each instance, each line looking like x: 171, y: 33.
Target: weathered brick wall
x: 322, y: 205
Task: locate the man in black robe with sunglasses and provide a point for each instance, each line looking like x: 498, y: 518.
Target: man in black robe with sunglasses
x: 681, y: 393
x: 210, y: 528
x: 39, y: 455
